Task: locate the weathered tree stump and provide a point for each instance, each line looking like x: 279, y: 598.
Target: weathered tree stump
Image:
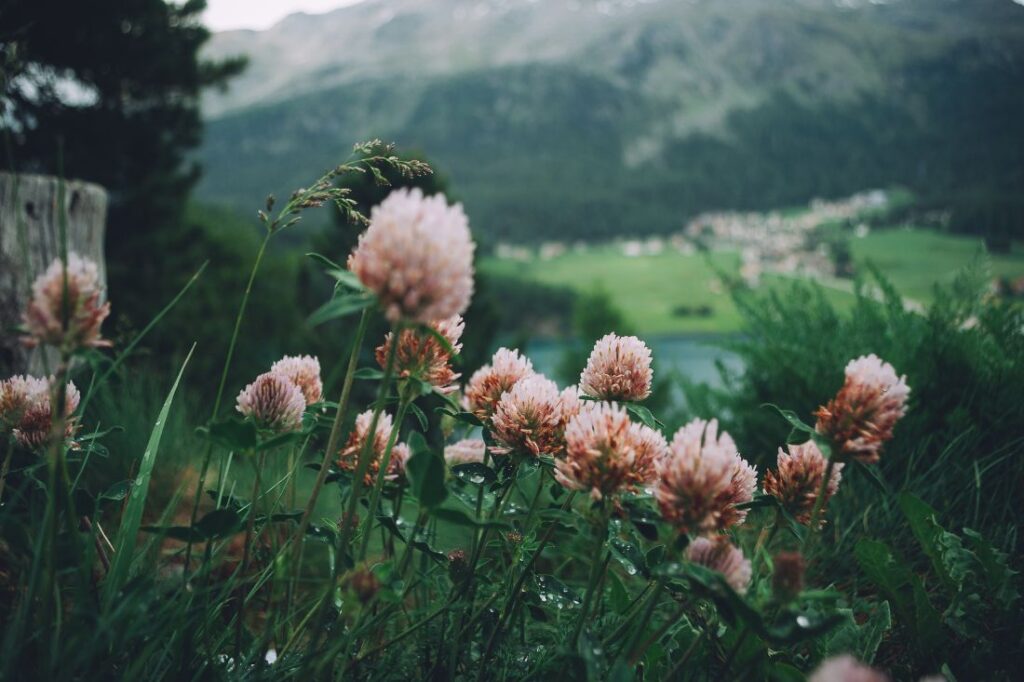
x: 30, y: 240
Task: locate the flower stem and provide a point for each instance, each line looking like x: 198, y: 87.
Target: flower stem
x: 813, y: 530
x: 249, y: 525
x: 208, y: 453
x: 517, y: 587
x: 371, y: 514
x: 8, y: 452
x: 366, y: 454
x: 596, y: 569
x: 332, y: 442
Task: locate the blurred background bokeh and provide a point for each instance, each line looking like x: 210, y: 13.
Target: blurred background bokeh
x: 732, y: 180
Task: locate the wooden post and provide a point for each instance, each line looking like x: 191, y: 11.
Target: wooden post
x: 30, y: 240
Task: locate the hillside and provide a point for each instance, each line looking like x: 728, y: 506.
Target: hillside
x: 590, y: 119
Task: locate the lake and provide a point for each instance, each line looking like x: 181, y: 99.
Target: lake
x: 693, y: 357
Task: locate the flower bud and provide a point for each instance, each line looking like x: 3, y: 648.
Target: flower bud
x: 788, y: 578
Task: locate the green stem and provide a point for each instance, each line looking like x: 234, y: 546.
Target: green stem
x: 333, y: 441
x: 513, y: 597
x: 732, y: 653
x: 8, y: 452
x: 366, y: 454
x: 813, y: 530
x: 648, y: 612
x: 658, y: 634
x: 207, y: 455
x: 406, y: 560
x: 673, y: 674
x: 378, y: 485
x: 596, y: 569
x: 249, y: 525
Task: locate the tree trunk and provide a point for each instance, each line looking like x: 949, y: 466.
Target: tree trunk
x: 30, y: 241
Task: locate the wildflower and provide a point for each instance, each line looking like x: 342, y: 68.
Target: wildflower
x: 44, y: 317
x: 348, y: 523
x: 364, y: 584
x: 25, y: 410
x: 606, y: 452
x: 860, y: 419
x: 400, y: 454
x: 788, y: 576
x: 417, y: 257
x: 467, y: 451
x: 274, y: 402
x: 304, y: 372
x: 845, y: 668
x: 702, y: 479
x: 348, y: 458
x: 16, y: 395
x: 423, y: 356
x: 720, y: 555
x: 488, y: 383
x: 619, y: 368
x: 458, y: 566
x: 571, y: 403
x: 528, y: 419
x: 798, y: 480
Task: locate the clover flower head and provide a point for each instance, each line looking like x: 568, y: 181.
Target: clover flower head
x: 304, y: 372
x: 274, y: 402
x: 528, y: 419
x: 860, y: 419
x: 720, y: 555
x: 797, y: 480
x: 422, y: 355
x: 619, y: 368
x: 74, y: 301
x: 417, y: 257
x: 490, y: 382
x: 702, y: 479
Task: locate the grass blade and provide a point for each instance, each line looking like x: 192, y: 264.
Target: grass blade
x: 132, y: 518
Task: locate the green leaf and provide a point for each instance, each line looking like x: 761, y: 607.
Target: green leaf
x: 630, y: 556
x: 791, y: 417
x: 116, y: 492
x: 426, y: 472
x: 475, y: 473
x: 233, y: 434
x: 346, y: 279
x: 420, y: 416
x: 464, y: 417
x: 1001, y: 581
x: 132, y: 516
x: 874, y: 477
x: 220, y: 523
x: 323, y: 260
x: 281, y: 440
x: 951, y: 569
x: 860, y: 640
x: 340, y: 306
x: 370, y: 373
x: 904, y: 591
x: 182, y: 533
x: 437, y: 556
x: 644, y: 415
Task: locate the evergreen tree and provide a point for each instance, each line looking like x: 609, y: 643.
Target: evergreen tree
x: 109, y: 92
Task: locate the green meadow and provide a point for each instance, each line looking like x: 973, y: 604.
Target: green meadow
x: 692, y: 300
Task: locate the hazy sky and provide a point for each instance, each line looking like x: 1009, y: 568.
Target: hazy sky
x: 222, y: 15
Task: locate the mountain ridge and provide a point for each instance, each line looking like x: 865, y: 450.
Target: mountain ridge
x: 589, y: 95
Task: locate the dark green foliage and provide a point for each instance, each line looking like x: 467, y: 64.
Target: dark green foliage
x: 959, y: 448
